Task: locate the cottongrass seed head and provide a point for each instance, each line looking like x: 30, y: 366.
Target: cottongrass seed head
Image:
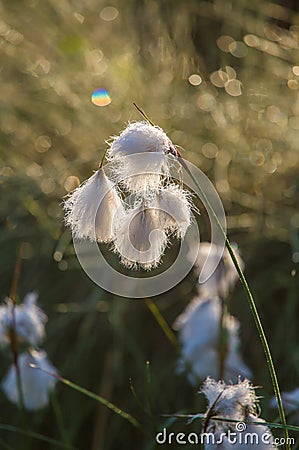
x: 36, y: 384
x: 199, y: 334
x: 29, y: 321
x: 139, y: 230
x: 90, y: 208
x: 224, y: 276
x: 237, y: 402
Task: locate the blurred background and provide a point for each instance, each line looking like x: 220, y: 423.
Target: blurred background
x: 222, y: 79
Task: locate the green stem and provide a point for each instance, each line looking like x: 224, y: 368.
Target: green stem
x: 59, y: 418
x: 253, y: 309
x: 163, y: 324
x: 32, y: 434
x: 90, y: 394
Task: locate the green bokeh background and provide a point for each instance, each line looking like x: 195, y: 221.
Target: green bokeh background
x: 240, y: 126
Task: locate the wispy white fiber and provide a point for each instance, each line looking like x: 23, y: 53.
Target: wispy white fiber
x: 139, y: 156
x: 233, y: 401
x: 139, y: 240
x: 174, y: 204
x: 36, y: 384
x: 199, y: 334
x: 142, y: 232
x: 90, y: 209
x: 139, y: 137
x: 29, y: 321
x: 237, y: 402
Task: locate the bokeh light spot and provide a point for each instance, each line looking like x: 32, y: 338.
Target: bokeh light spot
x: 293, y: 84
x: 109, y: 13
x: 71, y: 183
x: 57, y: 256
x: 43, y: 143
x: 48, y: 186
x: 238, y: 49
x: 224, y: 42
x: 233, y: 88
x: 210, y: 150
x: 100, y: 97
x: 219, y: 78
x: 195, y: 79
x: 251, y: 40
x: 257, y: 158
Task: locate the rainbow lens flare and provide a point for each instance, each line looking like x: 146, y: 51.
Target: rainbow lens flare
x: 100, y: 97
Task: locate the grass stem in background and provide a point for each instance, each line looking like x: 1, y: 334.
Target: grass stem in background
x: 92, y: 395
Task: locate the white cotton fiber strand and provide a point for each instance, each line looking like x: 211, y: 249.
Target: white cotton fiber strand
x: 35, y: 383
x: 175, y: 211
x: 90, y: 209
x: 138, y: 238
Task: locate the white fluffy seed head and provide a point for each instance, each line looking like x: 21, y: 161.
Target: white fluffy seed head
x: 36, y: 384
x: 139, y: 156
x: 224, y: 277
x: 199, y: 333
x: 90, y: 209
x: 29, y: 321
x: 234, y: 401
x: 139, y: 240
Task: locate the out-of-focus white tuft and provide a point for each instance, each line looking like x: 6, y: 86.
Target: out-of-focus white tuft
x: 139, y: 240
x: 237, y: 402
x: 29, y: 321
x: 199, y: 334
x: 224, y: 277
x: 90, y: 209
x: 290, y: 402
x: 36, y: 384
x: 139, y: 155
